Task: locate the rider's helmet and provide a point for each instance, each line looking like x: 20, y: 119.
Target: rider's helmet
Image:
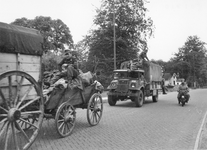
x: 183, y: 83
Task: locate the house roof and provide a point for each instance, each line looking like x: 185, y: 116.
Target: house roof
x: 180, y: 79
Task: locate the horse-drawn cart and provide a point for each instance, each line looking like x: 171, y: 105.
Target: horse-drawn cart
x: 22, y: 103
x: 61, y: 103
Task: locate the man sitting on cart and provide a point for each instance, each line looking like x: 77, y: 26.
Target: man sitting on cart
x: 68, y: 69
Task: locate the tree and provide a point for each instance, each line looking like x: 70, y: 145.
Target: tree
x: 191, y: 60
x: 132, y: 28
x: 82, y: 50
x: 56, y: 34
x: 203, y: 72
x: 50, y: 61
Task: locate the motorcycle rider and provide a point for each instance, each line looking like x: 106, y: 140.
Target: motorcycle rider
x: 183, y: 88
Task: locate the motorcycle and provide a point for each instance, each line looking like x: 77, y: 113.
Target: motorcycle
x: 182, y: 99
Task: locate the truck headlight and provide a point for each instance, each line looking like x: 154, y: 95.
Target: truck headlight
x: 133, y: 85
x: 113, y: 84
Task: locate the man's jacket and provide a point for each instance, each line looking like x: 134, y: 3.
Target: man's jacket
x: 183, y: 88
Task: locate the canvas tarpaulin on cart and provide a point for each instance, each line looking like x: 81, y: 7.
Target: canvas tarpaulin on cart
x: 17, y: 39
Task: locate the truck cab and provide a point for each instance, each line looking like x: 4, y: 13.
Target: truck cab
x: 127, y: 84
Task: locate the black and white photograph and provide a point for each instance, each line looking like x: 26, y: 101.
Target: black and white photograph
x: 103, y: 75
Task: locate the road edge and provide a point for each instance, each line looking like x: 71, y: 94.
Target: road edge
x: 200, y: 132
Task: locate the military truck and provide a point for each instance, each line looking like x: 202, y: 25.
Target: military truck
x: 135, y: 84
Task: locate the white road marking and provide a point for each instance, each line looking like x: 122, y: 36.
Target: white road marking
x: 199, y: 132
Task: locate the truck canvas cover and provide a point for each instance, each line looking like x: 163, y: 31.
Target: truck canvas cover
x: 153, y: 72
x: 17, y: 39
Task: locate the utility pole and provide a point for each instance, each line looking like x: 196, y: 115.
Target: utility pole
x: 193, y: 53
x: 114, y: 35
x: 194, y: 83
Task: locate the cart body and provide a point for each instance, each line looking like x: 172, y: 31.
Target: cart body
x: 21, y: 102
x: 20, y: 49
x: 75, y: 96
x: 62, y: 102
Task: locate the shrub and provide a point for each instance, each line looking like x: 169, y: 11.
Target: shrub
x: 51, y: 61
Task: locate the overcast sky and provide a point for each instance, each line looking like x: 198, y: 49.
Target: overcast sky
x: 174, y: 20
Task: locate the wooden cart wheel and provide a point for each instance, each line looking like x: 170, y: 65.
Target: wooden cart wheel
x: 23, y: 125
x: 95, y: 109
x: 65, y: 119
x: 21, y: 110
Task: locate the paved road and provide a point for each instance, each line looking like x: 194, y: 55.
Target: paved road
x: 156, y: 126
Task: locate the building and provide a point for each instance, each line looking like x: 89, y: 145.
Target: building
x: 170, y: 80
x: 180, y: 80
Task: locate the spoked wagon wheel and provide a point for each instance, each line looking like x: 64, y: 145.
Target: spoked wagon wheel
x: 95, y: 109
x: 21, y: 110
x: 65, y: 119
x: 25, y: 125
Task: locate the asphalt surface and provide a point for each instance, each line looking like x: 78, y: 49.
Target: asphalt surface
x: 164, y: 125
x: 201, y: 140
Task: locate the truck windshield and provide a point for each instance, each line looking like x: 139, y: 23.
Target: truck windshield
x: 120, y: 75
x: 134, y: 74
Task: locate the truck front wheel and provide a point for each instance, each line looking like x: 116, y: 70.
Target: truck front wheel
x: 111, y: 100
x: 139, y: 99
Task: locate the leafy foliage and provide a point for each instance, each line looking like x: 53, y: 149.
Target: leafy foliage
x: 51, y: 61
x: 131, y: 27
x: 56, y: 34
x: 190, y: 61
x: 82, y: 49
